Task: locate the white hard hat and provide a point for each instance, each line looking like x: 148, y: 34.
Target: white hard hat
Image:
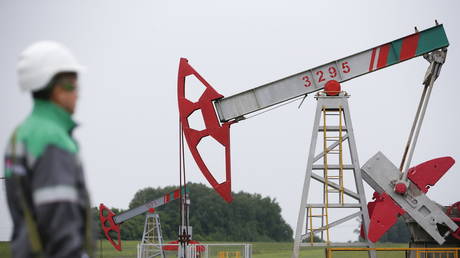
x: 41, y: 61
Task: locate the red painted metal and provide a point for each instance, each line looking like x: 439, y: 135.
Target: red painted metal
x: 428, y: 173
x: 174, y: 246
x: 167, y: 198
x: 371, y: 64
x: 400, y: 188
x: 383, y: 214
x: 219, y: 132
x: 409, y: 47
x: 112, y: 226
x: 332, y: 88
x: 383, y: 55
x: 176, y: 194
x: 370, y: 210
x: 455, y: 208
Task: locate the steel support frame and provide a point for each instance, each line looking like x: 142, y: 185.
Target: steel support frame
x: 332, y: 102
x: 333, y: 224
x: 152, y: 233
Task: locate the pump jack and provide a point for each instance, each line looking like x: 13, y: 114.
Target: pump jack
x: 398, y: 191
x: 111, y: 222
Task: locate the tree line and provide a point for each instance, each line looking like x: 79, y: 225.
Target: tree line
x: 249, y: 218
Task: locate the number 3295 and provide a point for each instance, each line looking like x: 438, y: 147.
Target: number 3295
x: 321, y: 75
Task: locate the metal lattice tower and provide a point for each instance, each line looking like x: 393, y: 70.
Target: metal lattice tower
x: 152, y: 239
x: 333, y: 125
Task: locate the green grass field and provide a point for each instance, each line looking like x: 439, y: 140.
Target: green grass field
x: 259, y: 250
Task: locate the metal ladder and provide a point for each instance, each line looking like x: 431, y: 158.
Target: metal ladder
x: 337, y: 178
x: 333, y: 121
x: 335, y: 150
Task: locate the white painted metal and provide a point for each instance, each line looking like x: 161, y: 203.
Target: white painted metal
x: 335, y: 223
x: 293, y: 86
x: 332, y: 146
x: 306, y: 82
x: 152, y: 239
x: 381, y: 175
x: 138, y: 210
x: 210, y: 250
x: 436, y: 59
x: 336, y: 186
x: 329, y: 103
x: 334, y: 205
x: 311, y: 80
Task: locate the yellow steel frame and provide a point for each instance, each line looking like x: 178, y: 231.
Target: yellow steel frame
x: 418, y: 251
x: 229, y: 254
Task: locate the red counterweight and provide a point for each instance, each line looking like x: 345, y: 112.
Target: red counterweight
x: 383, y: 212
x: 220, y: 133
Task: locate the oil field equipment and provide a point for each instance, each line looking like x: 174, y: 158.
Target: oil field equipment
x: 337, y: 156
x: 111, y: 222
x: 152, y: 238
x: 399, y: 191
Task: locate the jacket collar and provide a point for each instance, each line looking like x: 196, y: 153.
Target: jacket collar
x: 54, y: 113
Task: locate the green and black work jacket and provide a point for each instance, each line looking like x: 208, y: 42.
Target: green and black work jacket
x: 44, y: 176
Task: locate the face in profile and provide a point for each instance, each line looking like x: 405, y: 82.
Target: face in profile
x: 65, y: 91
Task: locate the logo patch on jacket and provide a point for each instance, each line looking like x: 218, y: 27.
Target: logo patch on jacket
x: 11, y: 167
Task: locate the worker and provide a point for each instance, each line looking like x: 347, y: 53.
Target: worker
x: 45, y: 185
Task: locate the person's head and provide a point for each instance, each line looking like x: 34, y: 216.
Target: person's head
x: 50, y: 71
x: 62, y: 90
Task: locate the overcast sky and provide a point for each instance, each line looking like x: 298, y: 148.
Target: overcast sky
x: 128, y: 105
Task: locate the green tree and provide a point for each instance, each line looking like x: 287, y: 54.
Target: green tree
x: 250, y: 217
x: 399, y: 233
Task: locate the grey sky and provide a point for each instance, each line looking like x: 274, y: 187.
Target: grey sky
x: 128, y: 107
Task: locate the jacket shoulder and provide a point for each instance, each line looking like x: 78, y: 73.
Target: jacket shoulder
x: 37, y: 133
